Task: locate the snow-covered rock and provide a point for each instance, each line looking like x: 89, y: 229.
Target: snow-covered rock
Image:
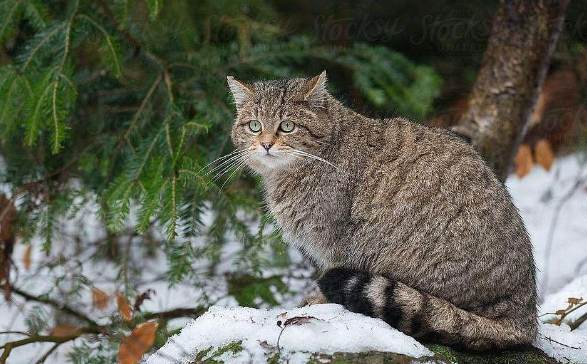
x: 295, y: 333
x: 248, y: 335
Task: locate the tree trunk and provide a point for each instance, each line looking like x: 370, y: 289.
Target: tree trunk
x: 522, y: 38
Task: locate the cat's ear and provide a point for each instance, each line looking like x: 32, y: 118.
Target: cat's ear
x: 240, y: 91
x: 316, y: 94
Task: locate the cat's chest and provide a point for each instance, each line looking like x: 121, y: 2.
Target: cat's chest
x: 309, y: 210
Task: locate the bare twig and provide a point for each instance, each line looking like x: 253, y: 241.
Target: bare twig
x: 573, y: 325
x: 48, y: 353
x: 558, y: 342
x: 579, y: 181
x: 14, y: 332
x: 92, y: 329
x: 59, y: 305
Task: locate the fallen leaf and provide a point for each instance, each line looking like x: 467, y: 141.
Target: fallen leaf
x: 544, y: 154
x: 575, y: 301
x: 299, y: 320
x: 99, y: 298
x: 523, y: 162
x: 26, y: 258
x: 560, y: 312
x: 137, y: 343
x: 265, y: 345
x: 64, y: 330
x: 123, y: 307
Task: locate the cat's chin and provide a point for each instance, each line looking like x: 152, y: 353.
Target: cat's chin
x: 269, y: 162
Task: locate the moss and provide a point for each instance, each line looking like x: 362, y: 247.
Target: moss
x: 202, y: 357
x: 371, y: 357
x: 442, y: 355
x: 528, y: 355
x: 234, y: 347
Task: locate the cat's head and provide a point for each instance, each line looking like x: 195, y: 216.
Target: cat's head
x: 279, y: 122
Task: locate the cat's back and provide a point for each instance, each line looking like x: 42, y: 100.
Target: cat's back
x: 430, y: 203
x: 425, y: 160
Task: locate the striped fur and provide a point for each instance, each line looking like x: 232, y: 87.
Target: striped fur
x: 418, y: 314
x: 429, y: 237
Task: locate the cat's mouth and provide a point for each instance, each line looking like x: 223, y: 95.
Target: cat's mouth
x: 272, y: 159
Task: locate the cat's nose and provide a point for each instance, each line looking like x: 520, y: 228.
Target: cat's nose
x: 267, y: 145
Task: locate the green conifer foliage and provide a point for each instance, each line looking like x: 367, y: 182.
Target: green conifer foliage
x: 122, y: 104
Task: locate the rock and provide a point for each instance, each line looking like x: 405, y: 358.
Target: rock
x: 442, y: 355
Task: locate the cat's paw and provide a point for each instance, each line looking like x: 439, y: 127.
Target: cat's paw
x: 317, y: 299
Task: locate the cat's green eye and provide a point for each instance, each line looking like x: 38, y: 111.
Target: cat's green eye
x: 287, y: 126
x: 255, y: 126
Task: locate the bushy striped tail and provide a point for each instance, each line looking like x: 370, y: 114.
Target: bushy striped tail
x: 426, y: 317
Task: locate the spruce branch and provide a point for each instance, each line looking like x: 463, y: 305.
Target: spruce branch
x: 57, y: 129
x: 108, y: 39
x: 144, y: 103
x: 8, y: 18
x: 40, y: 45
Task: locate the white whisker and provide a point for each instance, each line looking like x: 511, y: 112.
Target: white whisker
x: 221, y: 158
x: 239, y: 167
x: 310, y: 155
x: 234, y: 163
x: 229, y: 161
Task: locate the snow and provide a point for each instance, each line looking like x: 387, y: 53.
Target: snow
x: 537, y: 196
x: 330, y: 329
x: 559, y: 341
x: 557, y: 301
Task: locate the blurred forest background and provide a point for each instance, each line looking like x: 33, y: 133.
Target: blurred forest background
x: 112, y: 110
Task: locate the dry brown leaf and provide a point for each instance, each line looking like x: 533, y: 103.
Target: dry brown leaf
x: 64, y: 330
x: 544, y: 154
x: 26, y: 258
x: 575, y: 301
x: 299, y: 320
x: 561, y: 312
x: 137, y: 343
x: 523, y: 162
x: 265, y: 345
x: 123, y: 307
x: 99, y: 298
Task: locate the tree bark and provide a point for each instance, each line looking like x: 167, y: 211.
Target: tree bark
x: 522, y: 38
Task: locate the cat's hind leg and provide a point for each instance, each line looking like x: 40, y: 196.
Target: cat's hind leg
x: 316, y: 299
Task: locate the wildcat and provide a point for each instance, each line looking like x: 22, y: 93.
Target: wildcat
x: 405, y: 222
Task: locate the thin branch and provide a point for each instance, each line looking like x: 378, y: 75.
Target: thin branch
x: 54, y: 303
x: 175, y: 313
x: 14, y: 332
x: 142, y: 107
x: 573, y: 325
x: 48, y: 353
x: 558, y: 342
x: 92, y: 329
x: 37, y: 339
x: 557, y: 212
